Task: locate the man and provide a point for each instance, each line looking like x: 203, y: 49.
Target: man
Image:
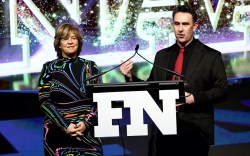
x: 207, y: 85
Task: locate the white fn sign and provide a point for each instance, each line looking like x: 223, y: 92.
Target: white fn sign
x: 137, y: 101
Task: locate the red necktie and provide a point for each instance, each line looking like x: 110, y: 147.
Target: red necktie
x: 178, y: 63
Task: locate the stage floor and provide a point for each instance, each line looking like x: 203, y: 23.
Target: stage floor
x: 21, y: 128
x: 23, y: 137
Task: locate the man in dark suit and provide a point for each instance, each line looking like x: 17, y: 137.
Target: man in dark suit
x: 204, y: 72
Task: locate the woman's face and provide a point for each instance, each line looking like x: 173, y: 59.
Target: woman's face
x: 69, y: 46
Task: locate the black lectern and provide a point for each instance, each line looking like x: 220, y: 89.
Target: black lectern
x: 152, y: 87
x: 135, y: 105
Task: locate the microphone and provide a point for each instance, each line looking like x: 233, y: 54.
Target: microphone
x: 165, y: 69
x: 136, y: 48
x: 95, y: 76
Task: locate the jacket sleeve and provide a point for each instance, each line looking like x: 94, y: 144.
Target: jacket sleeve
x: 216, y: 88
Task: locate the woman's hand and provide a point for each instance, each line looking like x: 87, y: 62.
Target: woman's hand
x: 76, y: 130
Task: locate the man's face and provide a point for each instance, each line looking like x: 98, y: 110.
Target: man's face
x: 184, y: 28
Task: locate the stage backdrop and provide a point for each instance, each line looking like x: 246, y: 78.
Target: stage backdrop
x: 111, y: 29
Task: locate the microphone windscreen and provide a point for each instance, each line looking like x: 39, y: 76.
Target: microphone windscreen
x: 136, y: 47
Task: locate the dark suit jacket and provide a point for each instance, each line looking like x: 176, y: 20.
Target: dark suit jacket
x: 207, y: 81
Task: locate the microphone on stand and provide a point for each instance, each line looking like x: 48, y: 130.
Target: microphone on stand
x: 176, y: 75
x: 95, y: 76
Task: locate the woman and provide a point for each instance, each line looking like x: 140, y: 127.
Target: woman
x: 69, y: 115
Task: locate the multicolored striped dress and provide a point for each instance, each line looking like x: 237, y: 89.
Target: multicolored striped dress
x: 63, y: 97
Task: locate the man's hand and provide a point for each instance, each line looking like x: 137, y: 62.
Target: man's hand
x: 126, y: 69
x: 189, y: 98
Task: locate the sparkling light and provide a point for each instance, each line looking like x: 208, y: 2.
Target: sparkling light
x: 111, y: 29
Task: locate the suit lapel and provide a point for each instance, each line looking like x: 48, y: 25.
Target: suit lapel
x: 193, y: 63
x: 195, y: 59
x: 165, y: 64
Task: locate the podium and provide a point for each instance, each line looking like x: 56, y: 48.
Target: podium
x: 152, y: 87
x: 137, y: 106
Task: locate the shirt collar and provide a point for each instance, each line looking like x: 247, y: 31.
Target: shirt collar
x: 189, y: 47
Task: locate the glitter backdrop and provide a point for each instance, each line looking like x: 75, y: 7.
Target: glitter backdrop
x: 111, y: 29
